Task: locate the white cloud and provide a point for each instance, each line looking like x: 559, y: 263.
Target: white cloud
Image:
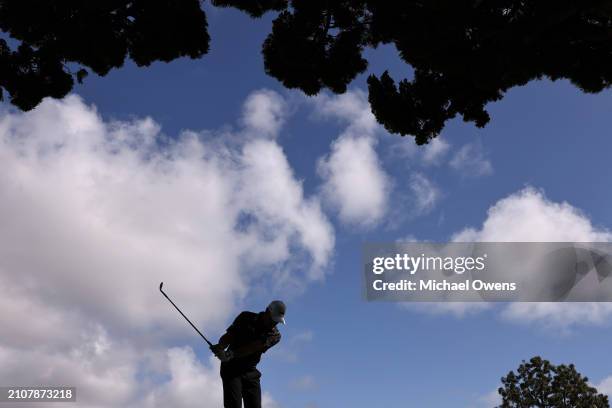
x: 559, y: 315
x: 605, y: 386
x: 528, y: 216
x: 430, y: 154
x: 264, y: 113
x: 303, y: 337
x: 351, y: 108
x: 354, y: 181
x: 103, y: 371
x: 274, y: 196
x: 433, y: 153
x: 304, y: 383
x: 424, y: 193
x: 457, y: 309
x: 489, y: 400
x: 95, y: 214
x: 471, y: 160
x: 435, y: 150
x: 406, y: 239
x: 268, y: 402
x: 191, y: 383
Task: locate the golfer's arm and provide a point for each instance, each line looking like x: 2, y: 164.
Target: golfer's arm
x: 225, y: 340
x: 250, y: 348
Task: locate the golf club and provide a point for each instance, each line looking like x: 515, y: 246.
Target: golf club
x: 182, y: 314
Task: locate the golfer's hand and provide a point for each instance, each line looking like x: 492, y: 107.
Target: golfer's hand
x: 224, y: 356
x: 215, y: 348
x: 220, y: 352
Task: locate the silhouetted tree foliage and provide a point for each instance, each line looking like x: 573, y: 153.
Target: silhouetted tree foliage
x: 464, y: 53
x: 94, y: 35
x: 538, y: 383
x: 254, y: 8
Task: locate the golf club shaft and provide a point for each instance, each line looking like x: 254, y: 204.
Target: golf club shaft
x: 182, y: 314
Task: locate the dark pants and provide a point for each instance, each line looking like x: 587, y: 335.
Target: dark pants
x: 242, y: 386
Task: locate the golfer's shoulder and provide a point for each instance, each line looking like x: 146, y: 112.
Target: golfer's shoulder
x: 245, y: 317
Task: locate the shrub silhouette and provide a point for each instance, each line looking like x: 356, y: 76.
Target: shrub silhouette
x: 538, y: 383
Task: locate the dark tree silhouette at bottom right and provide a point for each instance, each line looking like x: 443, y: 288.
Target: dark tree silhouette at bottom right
x: 538, y: 383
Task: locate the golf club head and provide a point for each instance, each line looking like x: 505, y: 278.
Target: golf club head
x: 160, y: 285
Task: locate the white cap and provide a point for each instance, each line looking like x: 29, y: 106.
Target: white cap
x: 277, y: 310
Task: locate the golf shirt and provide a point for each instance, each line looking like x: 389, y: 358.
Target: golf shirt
x: 247, y: 328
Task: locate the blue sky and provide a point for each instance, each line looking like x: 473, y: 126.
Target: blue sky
x: 339, y: 350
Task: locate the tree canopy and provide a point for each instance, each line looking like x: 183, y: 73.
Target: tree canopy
x: 463, y: 53
x: 540, y: 384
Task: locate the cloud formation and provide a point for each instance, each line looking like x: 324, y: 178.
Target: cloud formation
x: 435, y: 150
x: 491, y: 399
x: 304, y: 383
x: 264, y: 113
x: 471, y: 161
x: 424, y: 193
x: 96, y: 213
x: 529, y: 216
x: 433, y: 153
x: 354, y: 181
x: 605, y: 386
x: 355, y: 184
